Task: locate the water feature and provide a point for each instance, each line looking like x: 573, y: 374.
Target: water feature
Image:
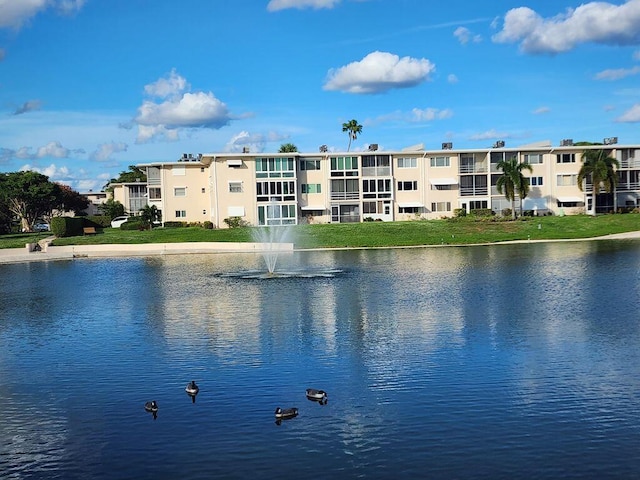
x: 479, y: 362
x: 272, y: 238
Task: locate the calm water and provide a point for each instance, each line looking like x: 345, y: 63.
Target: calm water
x: 479, y: 362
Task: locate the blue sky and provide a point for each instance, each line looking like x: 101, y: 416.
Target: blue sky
x: 88, y: 87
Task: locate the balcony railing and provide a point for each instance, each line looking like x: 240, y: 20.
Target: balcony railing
x: 624, y: 186
x: 630, y: 163
x: 345, y: 195
x: 471, y: 191
x: 475, y: 168
x: 376, y: 171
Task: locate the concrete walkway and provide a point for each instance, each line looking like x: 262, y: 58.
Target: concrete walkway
x: 47, y: 252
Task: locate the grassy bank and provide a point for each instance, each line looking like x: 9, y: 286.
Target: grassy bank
x: 372, y: 234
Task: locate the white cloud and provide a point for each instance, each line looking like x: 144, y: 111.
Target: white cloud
x: 50, y: 150
x: 379, y: 72
x: 430, y: 114
x: 630, y: 116
x: 255, y: 142
x: 28, y: 106
x: 52, y: 171
x: 180, y: 109
x: 617, y: 73
x: 451, y: 78
x: 15, y: 13
x: 489, y: 135
x: 464, y: 36
x: 596, y: 22
x: 541, y: 110
x: 106, y: 150
x: 275, y: 5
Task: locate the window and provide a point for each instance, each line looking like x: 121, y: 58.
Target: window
x: 275, y: 167
x: 276, y: 191
x: 404, y: 186
x: 409, y: 209
x: 371, y: 207
x: 181, y: 213
x: 440, y: 161
x: 310, y: 164
x: 276, y: 214
x: 180, y: 192
x: 567, y: 180
x: 441, y: 207
x: 311, y: 188
x: 344, y: 166
x: 376, y: 188
x: 235, y: 187
x: 345, y: 189
x: 178, y: 171
x: 201, y: 169
x: 203, y: 190
x: 155, y: 193
x: 535, y: 181
x: 407, y: 162
x: 376, y: 165
x: 478, y: 204
x: 566, y: 158
x: 533, y: 158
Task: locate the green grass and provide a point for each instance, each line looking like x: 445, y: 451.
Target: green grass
x: 372, y: 234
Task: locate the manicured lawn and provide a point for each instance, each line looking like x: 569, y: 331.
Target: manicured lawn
x: 371, y: 234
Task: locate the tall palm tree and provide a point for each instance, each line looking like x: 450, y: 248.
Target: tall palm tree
x: 353, y: 129
x: 600, y: 168
x: 512, y: 180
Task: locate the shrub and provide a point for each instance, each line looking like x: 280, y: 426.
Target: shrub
x: 236, y: 222
x: 506, y: 212
x: 174, y: 224
x: 367, y: 219
x: 459, y: 212
x: 67, y: 226
x: 133, y: 224
x: 208, y: 225
x: 482, y: 212
x: 97, y: 221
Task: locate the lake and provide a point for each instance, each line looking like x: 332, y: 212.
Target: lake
x: 506, y: 361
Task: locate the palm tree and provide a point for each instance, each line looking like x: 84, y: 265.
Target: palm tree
x: 287, y: 148
x: 600, y: 168
x: 353, y: 129
x: 150, y: 214
x: 512, y: 180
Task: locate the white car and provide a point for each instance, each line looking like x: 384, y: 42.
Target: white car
x: 118, y: 221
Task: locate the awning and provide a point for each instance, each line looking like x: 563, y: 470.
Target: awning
x: 410, y: 204
x: 571, y: 199
x: 235, y: 162
x: 313, y: 207
x: 443, y: 181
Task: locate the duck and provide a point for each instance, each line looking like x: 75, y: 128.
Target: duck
x: 317, y: 395
x: 192, y: 388
x: 286, y: 413
x: 151, y: 406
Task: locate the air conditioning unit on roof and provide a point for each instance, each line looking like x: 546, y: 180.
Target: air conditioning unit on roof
x: 447, y: 146
x: 567, y: 142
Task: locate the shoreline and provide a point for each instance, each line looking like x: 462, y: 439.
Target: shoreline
x: 49, y: 253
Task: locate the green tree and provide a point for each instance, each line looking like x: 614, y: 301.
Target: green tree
x: 513, y: 181
x: 287, y: 148
x: 599, y: 169
x: 353, y: 129
x: 112, y: 208
x: 29, y: 196
x: 128, y: 176
x: 71, y: 201
x: 150, y: 214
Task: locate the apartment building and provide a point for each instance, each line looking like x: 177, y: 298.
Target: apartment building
x: 330, y: 187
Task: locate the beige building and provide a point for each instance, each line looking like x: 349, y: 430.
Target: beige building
x: 293, y: 188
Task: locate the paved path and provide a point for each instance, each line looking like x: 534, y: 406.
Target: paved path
x: 20, y: 255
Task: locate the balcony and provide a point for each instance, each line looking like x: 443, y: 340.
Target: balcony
x: 474, y: 168
x: 345, y: 196
x: 473, y: 191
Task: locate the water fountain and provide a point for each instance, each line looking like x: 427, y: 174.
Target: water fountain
x: 273, y: 242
